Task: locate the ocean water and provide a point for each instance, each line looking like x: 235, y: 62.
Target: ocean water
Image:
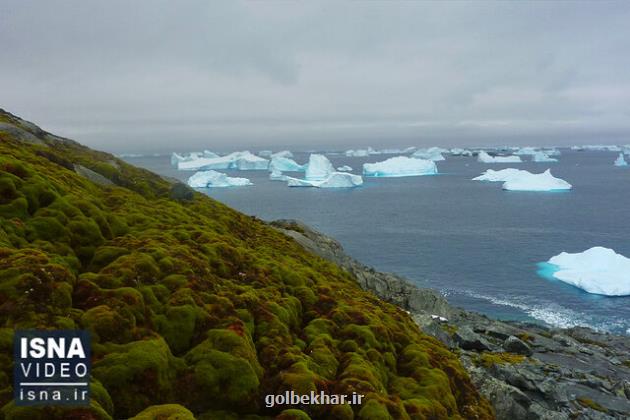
x: 477, y: 244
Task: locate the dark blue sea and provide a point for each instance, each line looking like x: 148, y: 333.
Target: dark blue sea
x: 477, y: 244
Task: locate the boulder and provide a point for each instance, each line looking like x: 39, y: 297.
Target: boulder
x: 516, y: 345
x: 467, y: 339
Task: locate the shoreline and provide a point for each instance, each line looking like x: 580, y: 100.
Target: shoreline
x: 526, y: 370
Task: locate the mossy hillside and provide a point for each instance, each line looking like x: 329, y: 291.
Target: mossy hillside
x: 192, y: 303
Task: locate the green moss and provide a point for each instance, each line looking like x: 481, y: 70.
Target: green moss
x: 136, y: 374
x: 17, y: 208
x: 526, y: 337
x: 106, y: 324
x: 106, y: 255
x: 177, y: 326
x: 94, y: 411
x: 293, y: 414
x: 174, y: 281
x: 99, y: 394
x: 489, y: 359
x: 449, y: 328
x: 374, y: 410
x: 588, y: 403
x: 164, y: 412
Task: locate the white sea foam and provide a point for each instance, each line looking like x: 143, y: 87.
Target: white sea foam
x: 554, y: 314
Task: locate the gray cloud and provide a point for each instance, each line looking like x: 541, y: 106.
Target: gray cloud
x: 149, y: 75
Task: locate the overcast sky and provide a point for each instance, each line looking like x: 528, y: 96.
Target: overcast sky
x: 165, y: 75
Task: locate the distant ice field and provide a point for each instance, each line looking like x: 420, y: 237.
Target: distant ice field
x: 473, y: 241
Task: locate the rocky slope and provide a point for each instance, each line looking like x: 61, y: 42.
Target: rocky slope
x: 527, y: 371
x: 194, y: 309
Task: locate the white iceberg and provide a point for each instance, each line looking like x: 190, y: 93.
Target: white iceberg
x: 486, y: 158
x: 247, y: 161
x: 176, y: 157
x: 362, y: 152
x: 400, y: 166
x: 318, y: 168
x: 397, y: 151
x: 527, y: 181
x: 333, y: 180
x: 276, y: 175
x: 621, y: 161
x: 265, y: 153
x: 602, y: 148
x: 236, y: 160
x: 528, y: 150
x: 284, y: 153
x: 541, y: 156
x: 501, y: 176
x: 432, y: 153
x: 597, y: 270
x: 214, y: 179
x: 283, y: 164
x: 357, y: 153
x: 209, y: 154
x: 344, y: 168
x: 457, y: 151
x: 552, y: 152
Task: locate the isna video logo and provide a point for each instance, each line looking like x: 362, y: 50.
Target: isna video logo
x: 51, y: 367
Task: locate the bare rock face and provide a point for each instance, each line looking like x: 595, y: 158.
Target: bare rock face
x: 92, y: 176
x: 467, y: 339
x: 527, y: 371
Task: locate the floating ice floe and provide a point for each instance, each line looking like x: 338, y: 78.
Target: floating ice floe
x: 520, y: 180
x: 276, y: 175
x: 486, y: 158
x: 236, y: 160
x: 318, y: 167
x: 526, y: 181
x: 214, y: 179
x: 284, y: 153
x: 333, y: 180
x: 320, y: 173
x: 357, y: 153
x: 344, y: 168
x: 456, y: 151
x: 284, y: 164
x: 621, y: 161
x: 362, y: 152
x: 400, y: 166
x: 528, y: 150
x: 501, y: 176
x: 552, y: 152
x: 541, y: 156
x: 209, y: 154
x: 598, y: 148
x: 397, y: 151
x: 176, y: 157
x: 597, y: 270
x: 432, y: 153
